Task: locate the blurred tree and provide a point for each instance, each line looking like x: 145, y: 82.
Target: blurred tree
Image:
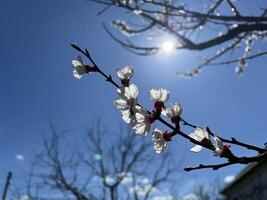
x: 105, y: 165
x: 195, y: 26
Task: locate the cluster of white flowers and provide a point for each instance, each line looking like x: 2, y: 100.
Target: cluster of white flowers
x: 141, y: 119
x: 201, y: 135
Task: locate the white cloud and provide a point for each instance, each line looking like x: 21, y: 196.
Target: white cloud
x: 109, y: 180
x: 19, y: 157
x: 167, y: 197
x: 229, y: 178
x: 142, y: 190
x: 190, y: 197
x: 127, y: 179
x: 25, y: 197
x: 145, y: 181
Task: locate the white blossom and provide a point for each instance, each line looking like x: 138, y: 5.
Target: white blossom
x: 219, y: 147
x: 199, y: 135
x: 159, y: 143
x: 142, y: 124
x: 128, y: 97
x: 79, y: 69
x: 174, y: 111
x: 126, y: 72
x: 161, y: 95
x: 127, y: 102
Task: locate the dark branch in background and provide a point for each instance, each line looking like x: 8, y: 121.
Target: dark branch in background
x: 237, y: 60
x: 233, y: 8
x: 176, y: 131
x: 209, y: 61
x: 201, y: 166
x: 131, y: 47
x: 6, y: 187
x: 74, y: 173
x: 243, y: 160
x: 178, y: 20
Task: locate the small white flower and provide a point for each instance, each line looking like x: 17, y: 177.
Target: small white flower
x: 127, y: 102
x: 79, y: 69
x: 142, y: 124
x: 199, y: 135
x: 174, y: 111
x: 129, y: 97
x: 219, y: 147
x: 160, y: 95
x: 131, y: 92
x: 159, y: 143
x: 126, y: 72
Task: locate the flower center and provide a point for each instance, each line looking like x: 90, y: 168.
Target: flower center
x: 167, y: 136
x: 125, y: 82
x: 206, y: 142
x: 158, y: 105
x: 175, y: 119
x: 89, y: 69
x: 151, y: 118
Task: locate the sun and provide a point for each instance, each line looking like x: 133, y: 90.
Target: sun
x: 168, y: 46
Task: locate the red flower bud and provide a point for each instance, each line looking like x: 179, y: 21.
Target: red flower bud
x: 90, y: 69
x: 151, y: 118
x: 167, y: 136
x: 158, y: 106
x: 175, y: 119
x: 206, y: 142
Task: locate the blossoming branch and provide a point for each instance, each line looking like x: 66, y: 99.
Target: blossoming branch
x: 141, y: 119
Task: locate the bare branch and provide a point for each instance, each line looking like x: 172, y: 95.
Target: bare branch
x: 176, y: 130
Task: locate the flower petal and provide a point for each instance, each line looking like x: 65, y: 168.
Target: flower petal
x: 79, y: 58
x: 140, y: 118
x: 140, y: 128
x: 218, y: 143
x: 196, y: 148
x: 126, y: 72
x: 132, y: 91
x: 195, y: 136
x: 76, y: 63
x: 202, y: 133
x: 76, y: 75
x: 164, y: 95
x: 154, y: 94
x: 126, y: 116
x: 121, y: 104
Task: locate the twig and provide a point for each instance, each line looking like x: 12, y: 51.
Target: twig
x: 214, y: 167
x: 237, y: 161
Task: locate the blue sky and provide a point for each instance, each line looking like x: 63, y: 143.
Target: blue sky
x: 37, y: 87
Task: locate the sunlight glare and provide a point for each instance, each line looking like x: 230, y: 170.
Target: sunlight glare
x: 168, y: 46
